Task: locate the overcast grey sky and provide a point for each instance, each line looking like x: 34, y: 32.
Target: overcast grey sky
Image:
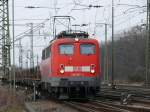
x: 126, y: 16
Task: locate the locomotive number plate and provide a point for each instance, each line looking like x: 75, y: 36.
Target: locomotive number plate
x: 77, y: 69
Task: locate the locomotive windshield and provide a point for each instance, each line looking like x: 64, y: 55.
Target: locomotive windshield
x: 87, y: 49
x: 66, y: 49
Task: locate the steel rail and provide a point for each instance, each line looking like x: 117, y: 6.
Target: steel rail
x: 94, y: 107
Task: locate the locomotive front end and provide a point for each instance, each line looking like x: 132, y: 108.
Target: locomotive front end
x: 71, y: 66
x: 78, y: 66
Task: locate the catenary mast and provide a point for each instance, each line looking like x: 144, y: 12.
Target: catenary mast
x: 4, y: 38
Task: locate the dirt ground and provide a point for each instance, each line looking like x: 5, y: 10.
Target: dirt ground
x: 10, y: 102
x: 50, y: 106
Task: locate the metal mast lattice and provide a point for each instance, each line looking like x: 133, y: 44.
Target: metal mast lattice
x: 4, y: 37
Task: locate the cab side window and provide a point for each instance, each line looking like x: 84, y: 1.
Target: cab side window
x: 43, y: 54
x: 46, y: 53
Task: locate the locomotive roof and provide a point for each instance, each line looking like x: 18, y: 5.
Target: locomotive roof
x: 68, y: 39
x: 72, y: 34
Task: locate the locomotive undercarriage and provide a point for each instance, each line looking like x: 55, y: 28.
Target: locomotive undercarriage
x: 65, y: 88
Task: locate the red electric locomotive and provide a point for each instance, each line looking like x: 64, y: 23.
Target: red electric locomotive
x: 70, y: 65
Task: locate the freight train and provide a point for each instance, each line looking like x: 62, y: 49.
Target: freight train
x: 70, y: 66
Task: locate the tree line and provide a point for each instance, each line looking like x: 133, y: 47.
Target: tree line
x: 129, y: 55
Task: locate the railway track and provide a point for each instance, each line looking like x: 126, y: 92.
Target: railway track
x: 93, y: 106
x: 134, y: 93
x: 90, y: 106
x: 135, y: 107
x: 139, y: 90
x: 130, y: 98
x: 109, y: 101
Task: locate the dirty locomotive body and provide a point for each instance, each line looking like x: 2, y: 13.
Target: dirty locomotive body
x: 70, y: 66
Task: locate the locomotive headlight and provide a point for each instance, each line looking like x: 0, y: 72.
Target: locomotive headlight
x: 62, y: 71
x: 76, y: 39
x: 92, y: 71
x: 92, y: 68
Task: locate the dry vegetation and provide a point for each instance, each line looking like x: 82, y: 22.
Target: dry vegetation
x: 10, y: 102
